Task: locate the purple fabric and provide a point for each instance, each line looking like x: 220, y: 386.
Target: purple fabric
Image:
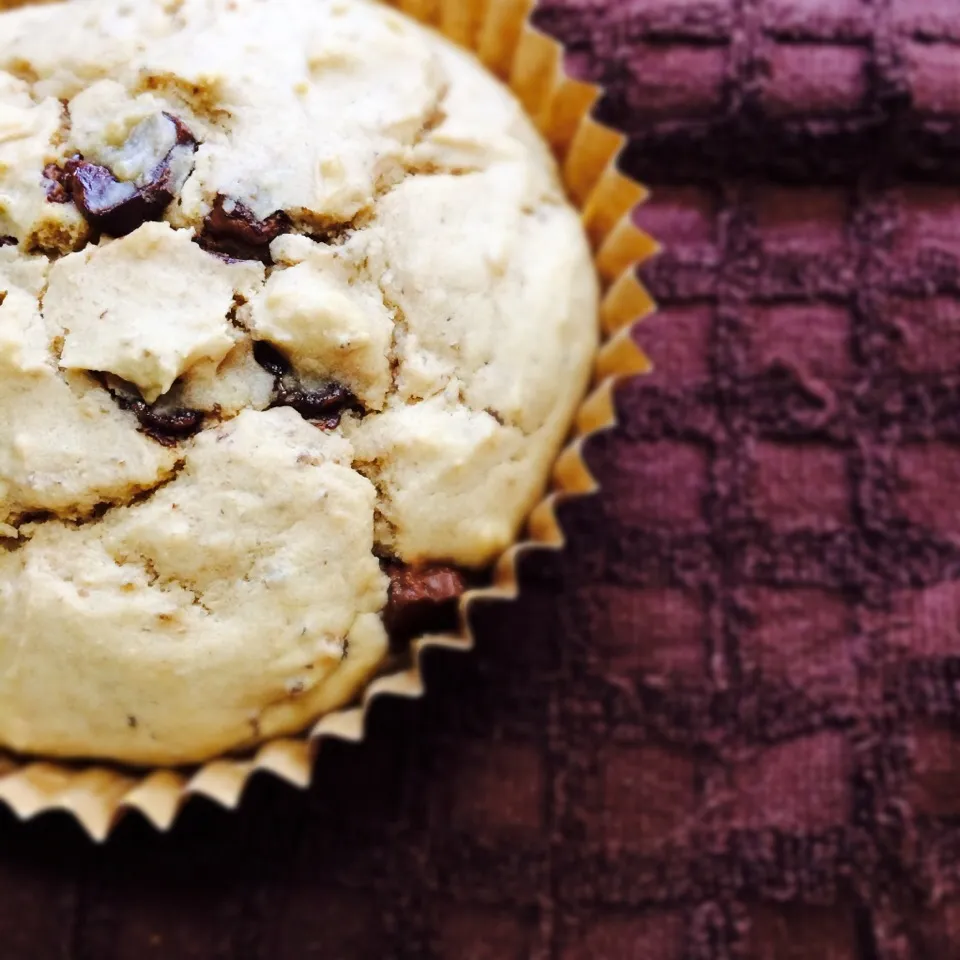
x: 723, y: 724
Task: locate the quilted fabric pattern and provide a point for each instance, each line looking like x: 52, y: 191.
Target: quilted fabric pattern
x: 724, y: 723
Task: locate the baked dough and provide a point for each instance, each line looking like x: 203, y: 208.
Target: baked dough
x: 287, y: 288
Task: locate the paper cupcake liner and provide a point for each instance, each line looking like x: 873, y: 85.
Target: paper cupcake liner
x: 500, y: 33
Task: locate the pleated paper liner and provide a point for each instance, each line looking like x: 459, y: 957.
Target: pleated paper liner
x: 500, y: 33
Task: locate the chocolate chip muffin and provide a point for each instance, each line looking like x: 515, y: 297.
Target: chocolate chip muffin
x: 294, y: 318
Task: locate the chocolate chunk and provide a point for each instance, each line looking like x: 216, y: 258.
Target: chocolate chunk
x: 271, y: 359
x: 232, y: 230
x: 116, y: 206
x: 169, y: 426
x: 184, y: 137
x: 58, y: 181
x: 8, y: 241
x: 325, y: 405
x: 166, y: 425
x: 422, y: 600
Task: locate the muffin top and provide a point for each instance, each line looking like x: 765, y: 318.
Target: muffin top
x: 291, y: 301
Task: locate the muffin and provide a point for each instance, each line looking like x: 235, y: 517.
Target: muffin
x: 294, y: 319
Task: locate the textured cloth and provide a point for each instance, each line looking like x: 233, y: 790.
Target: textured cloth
x: 722, y: 723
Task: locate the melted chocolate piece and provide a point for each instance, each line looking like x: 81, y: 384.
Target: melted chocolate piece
x: 184, y: 137
x: 8, y: 241
x: 58, y: 181
x: 170, y: 426
x: 238, y: 235
x: 271, y: 359
x: 115, y: 206
x: 165, y: 425
x: 422, y: 600
x: 324, y: 406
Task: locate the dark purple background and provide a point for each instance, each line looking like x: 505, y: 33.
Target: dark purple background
x: 724, y: 723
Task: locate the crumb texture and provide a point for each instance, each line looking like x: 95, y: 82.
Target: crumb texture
x: 286, y: 290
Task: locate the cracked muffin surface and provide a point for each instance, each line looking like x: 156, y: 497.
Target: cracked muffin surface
x: 294, y: 319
